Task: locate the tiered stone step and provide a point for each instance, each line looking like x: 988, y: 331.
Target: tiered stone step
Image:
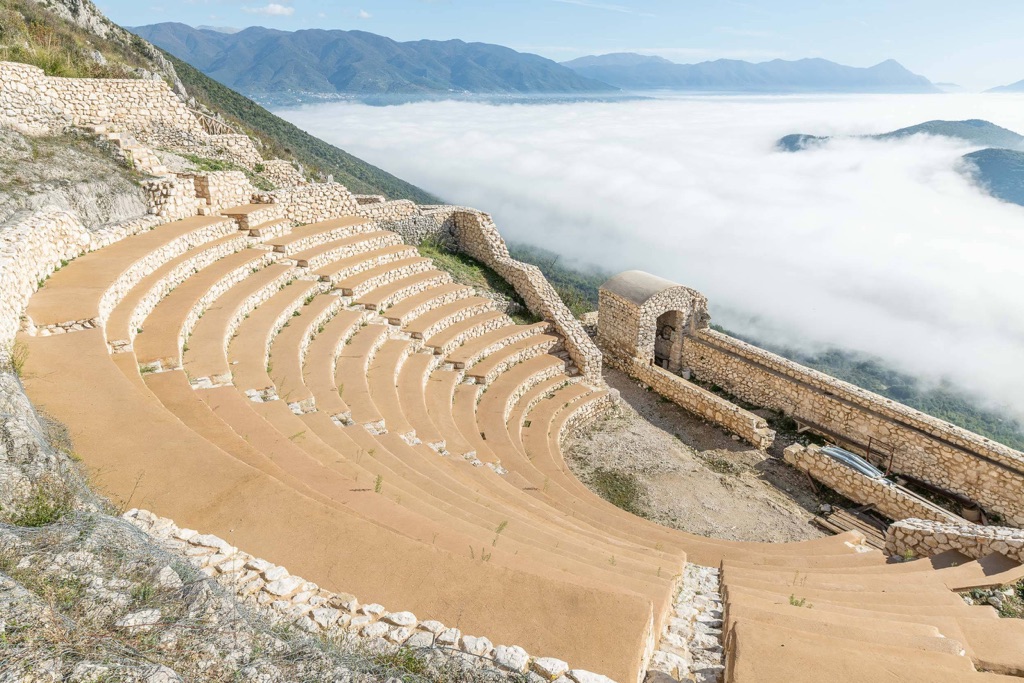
x: 413, y: 306
x: 319, y: 368
x: 378, y: 264
x: 170, y: 322
x: 290, y: 347
x: 127, y: 318
x: 383, y: 297
x: 204, y: 359
x: 432, y: 322
x: 86, y: 294
x: 261, y: 221
x: 455, y: 335
x: 320, y: 237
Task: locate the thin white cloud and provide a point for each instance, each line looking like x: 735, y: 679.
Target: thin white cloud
x: 605, y: 6
x: 363, y: 14
x: 884, y: 248
x: 272, y: 9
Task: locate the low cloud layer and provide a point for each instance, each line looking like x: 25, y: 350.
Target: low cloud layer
x: 879, y: 247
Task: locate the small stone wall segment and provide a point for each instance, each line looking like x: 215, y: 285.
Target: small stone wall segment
x: 312, y: 203
x: 701, y: 402
x: 924, y: 538
x: 924, y: 446
x: 290, y: 599
x: 221, y: 189
x: 282, y: 173
x: 477, y: 236
x: 386, y: 211
x: 172, y: 198
x: 893, y: 501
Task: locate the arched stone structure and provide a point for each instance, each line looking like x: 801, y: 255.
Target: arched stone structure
x: 645, y: 317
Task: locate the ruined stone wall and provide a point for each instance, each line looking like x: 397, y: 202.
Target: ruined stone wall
x: 476, y: 235
x: 924, y: 447
x: 924, y: 538
x: 36, y: 104
x: 312, y: 203
x: 222, y: 189
x: 172, y: 198
x: 891, y: 500
x: 282, y: 173
x: 387, y: 211
x: 702, y: 402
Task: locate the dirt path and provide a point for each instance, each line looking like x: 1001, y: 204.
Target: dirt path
x: 673, y: 468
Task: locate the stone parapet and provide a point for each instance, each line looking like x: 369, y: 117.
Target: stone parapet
x: 386, y: 211
x: 924, y: 538
x: 923, y: 446
x: 895, y: 502
x: 312, y: 203
x: 701, y: 402
x: 282, y: 173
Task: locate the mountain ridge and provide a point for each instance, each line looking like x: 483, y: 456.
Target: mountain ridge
x: 632, y: 71
x: 272, y: 64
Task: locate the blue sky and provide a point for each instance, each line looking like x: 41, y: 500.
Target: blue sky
x: 975, y: 45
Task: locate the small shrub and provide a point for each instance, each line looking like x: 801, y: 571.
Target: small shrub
x: 49, y: 500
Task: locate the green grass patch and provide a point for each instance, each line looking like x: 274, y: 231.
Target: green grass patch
x: 620, y: 489
x: 49, y: 500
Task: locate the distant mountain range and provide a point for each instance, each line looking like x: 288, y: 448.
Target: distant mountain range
x: 643, y: 72
x: 273, y: 65
x: 999, y: 168
x: 1013, y: 87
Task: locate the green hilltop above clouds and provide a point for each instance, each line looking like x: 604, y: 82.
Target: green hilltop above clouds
x: 998, y: 168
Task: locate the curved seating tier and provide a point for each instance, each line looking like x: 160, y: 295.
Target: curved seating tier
x: 324, y: 397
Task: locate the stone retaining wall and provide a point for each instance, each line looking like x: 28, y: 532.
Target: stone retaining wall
x: 386, y: 211
x: 222, y: 189
x: 282, y: 173
x: 924, y: 447
x: 924, y: 538
x: 291, y: 599
x: 702, y: 402
x: 312, y: 203
x: 477, y: 236
x: 891, y: 500
x: 36, y: 104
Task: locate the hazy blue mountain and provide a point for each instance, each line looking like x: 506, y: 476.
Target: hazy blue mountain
x: 280, y: 65
x: 640, y: 72
x: 972, y: 131
x: 1013, y: 87
x: 1000, y: 171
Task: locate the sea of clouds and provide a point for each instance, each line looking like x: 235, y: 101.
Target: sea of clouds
x: 885, y: 248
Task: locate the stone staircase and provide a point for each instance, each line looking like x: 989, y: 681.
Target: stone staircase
x: 325, y: 398
x: 139, y: 156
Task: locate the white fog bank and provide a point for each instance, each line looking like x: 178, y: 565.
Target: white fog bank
x: 878, y: 247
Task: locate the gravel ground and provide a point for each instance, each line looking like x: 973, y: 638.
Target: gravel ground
x: 691, y: 475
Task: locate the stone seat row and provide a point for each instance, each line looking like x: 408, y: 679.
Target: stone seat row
x: 327, y: 399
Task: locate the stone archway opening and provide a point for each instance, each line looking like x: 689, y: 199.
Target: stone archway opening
x: 668, y: 340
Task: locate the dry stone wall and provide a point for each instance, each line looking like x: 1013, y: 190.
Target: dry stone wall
x: 282, y: 173
x: 703, y: 403
x: 221, y: 189
x: 923, y: 446
x: 312, y: 203
x: 891, y: 500
x: 387, y: 211
x: 924, y: 538
x: 34, y: 103
x: 477, y: 236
